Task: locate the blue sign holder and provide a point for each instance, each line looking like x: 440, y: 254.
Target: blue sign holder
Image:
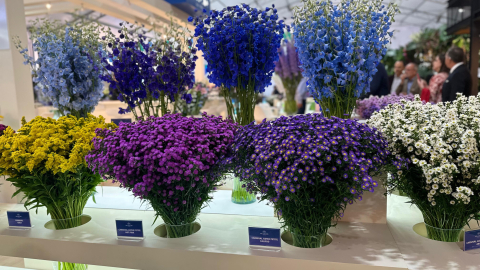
x: 130, y: 230
x: 264, y: 239
x: 471, y: 240
x: 19, y: 220
x: 117, y: 121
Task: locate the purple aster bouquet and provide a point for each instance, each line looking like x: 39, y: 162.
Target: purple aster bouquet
x: 366, y: 107
x: 149, y: 73
x: 169, y: 161
x: 340, y: 47
x: 240, y: 45
x: 309, y: 167
x: 288, y: 68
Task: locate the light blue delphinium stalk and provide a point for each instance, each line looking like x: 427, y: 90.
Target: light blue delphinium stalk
x: 339, y: 48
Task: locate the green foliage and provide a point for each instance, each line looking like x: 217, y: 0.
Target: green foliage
x: 63, y: 194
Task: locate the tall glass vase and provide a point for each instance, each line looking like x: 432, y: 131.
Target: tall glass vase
x: 239, y: 194
x: 69, y: 266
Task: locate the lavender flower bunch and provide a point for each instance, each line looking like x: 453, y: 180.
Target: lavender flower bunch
x: 170, y: 161
x: 309, y: 167
x: 149, y: 73
x: 2, y: 129
x: 288, y: 68
x: 366, y: 107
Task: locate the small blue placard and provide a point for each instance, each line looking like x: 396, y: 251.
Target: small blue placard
x: 264, y: 237
x: 19, y: 219
x: 129, y: 228
x: 471, y: 240
x: 117, y: 121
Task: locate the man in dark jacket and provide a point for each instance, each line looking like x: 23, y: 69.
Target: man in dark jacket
x: 459, y: 80
x: 379, y: 83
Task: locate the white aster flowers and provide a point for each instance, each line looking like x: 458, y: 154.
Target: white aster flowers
x: 442, y: 140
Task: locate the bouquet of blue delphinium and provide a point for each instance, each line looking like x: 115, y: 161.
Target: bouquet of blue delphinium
x: 66, y: 70
x: 240, y: 45
x: 340, y: 47
x: 309, y: 167
x: 149, y: 73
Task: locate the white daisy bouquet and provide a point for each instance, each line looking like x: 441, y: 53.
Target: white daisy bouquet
x: 436, y: 160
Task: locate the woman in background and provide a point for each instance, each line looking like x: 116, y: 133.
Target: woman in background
x: 436, y: 82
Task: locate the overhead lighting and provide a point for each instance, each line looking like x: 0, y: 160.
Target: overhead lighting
x: 460, y: 10
x: 48, y: 5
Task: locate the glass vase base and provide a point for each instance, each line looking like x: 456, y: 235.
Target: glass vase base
x: 240, y: 195
x: 69, y: 223
x: 69, y: 266
x: 438, y: 234
x: 301, y: 241
x: 176, y: 231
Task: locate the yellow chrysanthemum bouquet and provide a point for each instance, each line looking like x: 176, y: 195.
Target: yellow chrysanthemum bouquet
x: 45, y: 160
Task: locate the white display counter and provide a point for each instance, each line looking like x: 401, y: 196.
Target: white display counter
x: 222, y: 243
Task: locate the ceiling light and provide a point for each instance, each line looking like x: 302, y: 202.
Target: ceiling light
x: 460, y: 10
x: 48, y: 5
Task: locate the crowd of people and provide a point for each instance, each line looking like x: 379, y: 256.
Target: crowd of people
x: 451, y: 77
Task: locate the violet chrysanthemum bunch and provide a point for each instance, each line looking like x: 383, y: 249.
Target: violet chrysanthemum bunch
x: 310, y: 167
x: 366, y: 107
x: 168, y: 161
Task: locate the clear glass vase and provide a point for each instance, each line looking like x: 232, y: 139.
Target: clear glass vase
x: 177, y: 231
x: 309, y: 241
x: 69, y: 266
x: 240, y: 195
x: 444, y: 235
x: 68, y: 223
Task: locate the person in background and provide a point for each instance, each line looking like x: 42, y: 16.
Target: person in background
x: 395, y: 79
x: 410, y: 81
x: 379, y: 83
x: 434, y: 88
x: 301, y: 95
x: 459, y: 80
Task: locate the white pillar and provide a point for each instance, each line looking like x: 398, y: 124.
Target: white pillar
x: 16, y: 91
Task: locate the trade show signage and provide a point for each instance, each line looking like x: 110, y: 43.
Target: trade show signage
x: 265, y: 237
x: 117, y: 121
x: 20, y: 219
x: 471, y: 240
x: 129, y: 228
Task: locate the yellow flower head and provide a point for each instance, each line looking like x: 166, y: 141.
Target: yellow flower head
x: 48, y: 145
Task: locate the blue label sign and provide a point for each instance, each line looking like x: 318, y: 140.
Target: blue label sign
x: 129, y: 228
x: 120, y: 120
x: 19, y: 219
x: 471, y: 240
x: 264, y: 237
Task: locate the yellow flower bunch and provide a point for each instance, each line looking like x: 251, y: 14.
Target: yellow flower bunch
x: 47, y: 145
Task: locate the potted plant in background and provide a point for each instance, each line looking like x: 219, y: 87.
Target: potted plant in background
x: 169, y: 161
x: 366, y: 107
x: 240, y: 44
x: 310, y: 168
x: 437, y: 160
x: 339, y: 47
x: 199, y: 94
x: 287, y: 67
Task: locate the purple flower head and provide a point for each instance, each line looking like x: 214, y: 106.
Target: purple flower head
x: 170, y: 160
